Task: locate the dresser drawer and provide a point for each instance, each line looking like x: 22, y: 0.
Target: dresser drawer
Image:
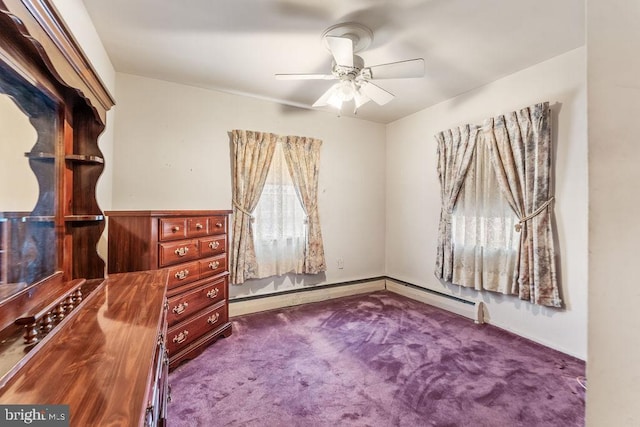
x: 217, y: 224
x: 175, y: 252
x: 197, y: 227
x: 182, y: 334
x: 172, y: 228
x: 184, y: 305
x: 213, y: 245
x: 183, y: 273
x: 212, y: 266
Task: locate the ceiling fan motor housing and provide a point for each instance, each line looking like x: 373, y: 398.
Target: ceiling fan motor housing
x: 360, y: 35
x: 350, y: 73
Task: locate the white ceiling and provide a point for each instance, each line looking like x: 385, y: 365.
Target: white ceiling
x: 238, y: 45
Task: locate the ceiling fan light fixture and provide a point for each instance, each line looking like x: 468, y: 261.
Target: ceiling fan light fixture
x: 359, y: 99
x: 346, y: 90
x: 340, y: 93
x: 335, y: 100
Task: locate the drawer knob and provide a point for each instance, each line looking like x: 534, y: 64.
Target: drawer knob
x: 213, y: 319
x: 175, y: 229
x: 182, y: 251
x: 182, y: 274
x: 219, y: 224
x: 198, y: 226
x: 181, y: 337
x: 213, y: 293
x: 214, y: 245
x: 180, y: 308
x: 214, y: 264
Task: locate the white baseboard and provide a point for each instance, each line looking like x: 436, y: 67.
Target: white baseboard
x: 271, y: 302
x: 537, y: 340
x: 473, y: 311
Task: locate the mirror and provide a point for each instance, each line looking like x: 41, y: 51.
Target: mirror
x: 28, y: 120
x: 17, y: 136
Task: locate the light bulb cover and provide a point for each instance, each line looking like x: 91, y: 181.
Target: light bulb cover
x: 346, y: 90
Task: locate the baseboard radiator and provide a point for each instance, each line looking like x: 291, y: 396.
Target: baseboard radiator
x: 473, y: 310
x: 245, y: 305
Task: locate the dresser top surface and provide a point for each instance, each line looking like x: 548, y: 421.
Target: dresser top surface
x: 100, y: 362
x: 166, y: 213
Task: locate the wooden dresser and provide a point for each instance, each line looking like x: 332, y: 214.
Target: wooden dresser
x: 106, y: 358
x: 192, y: 246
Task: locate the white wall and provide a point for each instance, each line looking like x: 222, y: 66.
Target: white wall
x: 172, y: 152
x: 413, y: 195
x: 613, y: 67
x: 77, y: 19
x: 412, y: 205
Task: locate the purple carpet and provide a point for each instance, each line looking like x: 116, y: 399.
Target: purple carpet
x: 377, y: 359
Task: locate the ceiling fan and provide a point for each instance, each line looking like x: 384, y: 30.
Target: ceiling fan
x: 343, y: 41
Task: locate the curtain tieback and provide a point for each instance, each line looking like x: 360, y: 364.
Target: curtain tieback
x: 237, y: 206
x: 309, y: 212
x: 533, y: 215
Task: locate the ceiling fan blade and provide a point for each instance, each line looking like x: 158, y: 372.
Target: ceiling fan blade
x: 376, y: 93
x: 342, y: 50
x: 305, y: 77
x: 324, y: 99
x: 398, y: 70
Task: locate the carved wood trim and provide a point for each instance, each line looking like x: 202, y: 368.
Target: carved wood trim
x: 40, y: 23
x: 28, y: 299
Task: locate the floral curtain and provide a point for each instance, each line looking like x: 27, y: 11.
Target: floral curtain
x: 303, y: 160
x: 251, y: 157
x: 480, y: 244
x: 455, y: 150
x: 520, y: 151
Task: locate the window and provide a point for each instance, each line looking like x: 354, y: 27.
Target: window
x: 279, y: 223
x: 286, y: 225
x: 481, y: 244
x: 485, y: 243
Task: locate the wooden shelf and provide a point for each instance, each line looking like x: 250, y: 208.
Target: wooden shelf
x: 40, y: 155
x: 83, y: 218
x: 67, y: 218
x: 39, y: 218
x: 84, y: 158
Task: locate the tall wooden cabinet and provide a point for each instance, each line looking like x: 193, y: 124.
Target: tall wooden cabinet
x: 193, y: 247
x: 44, y: 72
x: 67, y: 335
